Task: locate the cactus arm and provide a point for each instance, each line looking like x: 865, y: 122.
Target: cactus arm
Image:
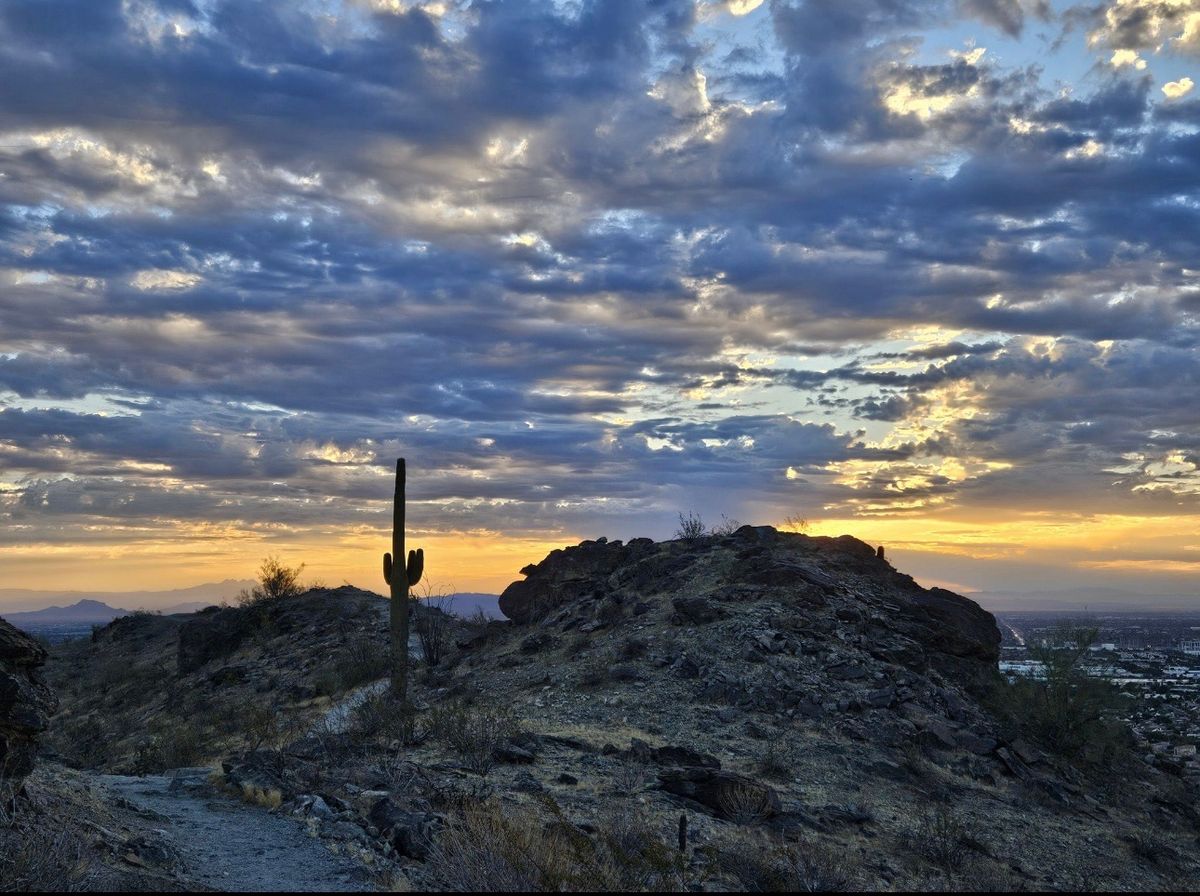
x: 416, y: 566
x: 387, y: 568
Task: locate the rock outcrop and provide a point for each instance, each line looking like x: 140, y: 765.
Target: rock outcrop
x: 26, y: 704
x: 842, y: 580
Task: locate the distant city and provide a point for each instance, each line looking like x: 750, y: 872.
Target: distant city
x: 1153, y: 657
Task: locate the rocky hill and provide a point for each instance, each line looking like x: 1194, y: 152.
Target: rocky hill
x: 149, y: 692
x: 753, y: 711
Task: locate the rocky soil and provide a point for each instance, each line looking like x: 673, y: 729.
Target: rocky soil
x: 788, y: 695
x: 25, y: 706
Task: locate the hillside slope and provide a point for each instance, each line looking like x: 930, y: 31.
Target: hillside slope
x: 811, y: 712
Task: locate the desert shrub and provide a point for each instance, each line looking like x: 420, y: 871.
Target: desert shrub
x: 795, y: 523
x: 260, y: 726
x: 578, y: 644
x: 327, y: 681
x: 479, y: 626
x: 433, y: 627
x: 625, y: 672
x: 1067, y: 711
x: 727, y: 526
x: 84, y: 741
x: 595, y: 671
x: 1151, y: 847
x: 942, y: 838
x: 630, y: 777
x: 360, y: 661
x: 776, y: 761
x: 747, y: 804
x: 760, y: 865
x: 691, y: 527
x: 491, y: 849
x: 172, y: 744
x: 275, y: 582
x: 381, y: 716
x: 474, y: 732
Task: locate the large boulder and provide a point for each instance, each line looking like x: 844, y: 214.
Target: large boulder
x: 26, y: 704
x: 567, y: 574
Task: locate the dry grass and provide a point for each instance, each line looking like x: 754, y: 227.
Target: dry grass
x: 492, y: 849
x: 758, y: 865
x: 745, y: 804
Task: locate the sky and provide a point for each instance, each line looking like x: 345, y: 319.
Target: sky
x: 922, y: 271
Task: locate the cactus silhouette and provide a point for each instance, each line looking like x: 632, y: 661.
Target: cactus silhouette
x: 399, y: 581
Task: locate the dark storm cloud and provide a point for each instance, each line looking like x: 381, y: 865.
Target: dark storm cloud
x: 260, y: 251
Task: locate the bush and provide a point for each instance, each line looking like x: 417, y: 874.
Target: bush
x: 432, y: 624
x: 795, y: 523
x: 942, y: 838
x: 359, y: 662
x: 1067, y: 711
x: 381, y: 716
x: 747, y: 804
x: 776, y: 762
x: 489, y: 849
x: 761, y: 866
x: 47, y: 856
x: 727, y: 526
x: 474, y: 733
x: 275, y: 582
x: 691, y: 526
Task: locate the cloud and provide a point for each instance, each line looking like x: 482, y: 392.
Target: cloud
x: 1176, y: 89
x: 583, y: 264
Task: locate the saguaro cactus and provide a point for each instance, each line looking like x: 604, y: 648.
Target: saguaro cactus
x: 399, y: 581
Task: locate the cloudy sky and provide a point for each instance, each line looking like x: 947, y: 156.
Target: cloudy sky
x: 923, y: 271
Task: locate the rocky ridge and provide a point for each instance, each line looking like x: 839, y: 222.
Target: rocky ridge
x: 761, y: 684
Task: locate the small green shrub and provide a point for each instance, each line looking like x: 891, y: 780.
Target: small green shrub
x: 275, y: 582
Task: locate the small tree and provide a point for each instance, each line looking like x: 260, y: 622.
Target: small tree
x: 275, y: 582
x: 795, y: 523
x: 1069, y: 711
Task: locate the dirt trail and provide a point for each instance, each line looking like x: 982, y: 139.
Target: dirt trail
x: 228, y: 845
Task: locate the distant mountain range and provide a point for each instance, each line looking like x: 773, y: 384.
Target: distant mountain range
x: 85, y: 612
x: 101, y: 608
x: 468, y: 603
x: 178, y: 600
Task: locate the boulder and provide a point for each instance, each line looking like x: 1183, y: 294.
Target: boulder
x: 409, y: 833
x: 26, y: 704
x: 568, y: 574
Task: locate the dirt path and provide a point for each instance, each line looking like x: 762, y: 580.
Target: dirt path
x: 227, y: 845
